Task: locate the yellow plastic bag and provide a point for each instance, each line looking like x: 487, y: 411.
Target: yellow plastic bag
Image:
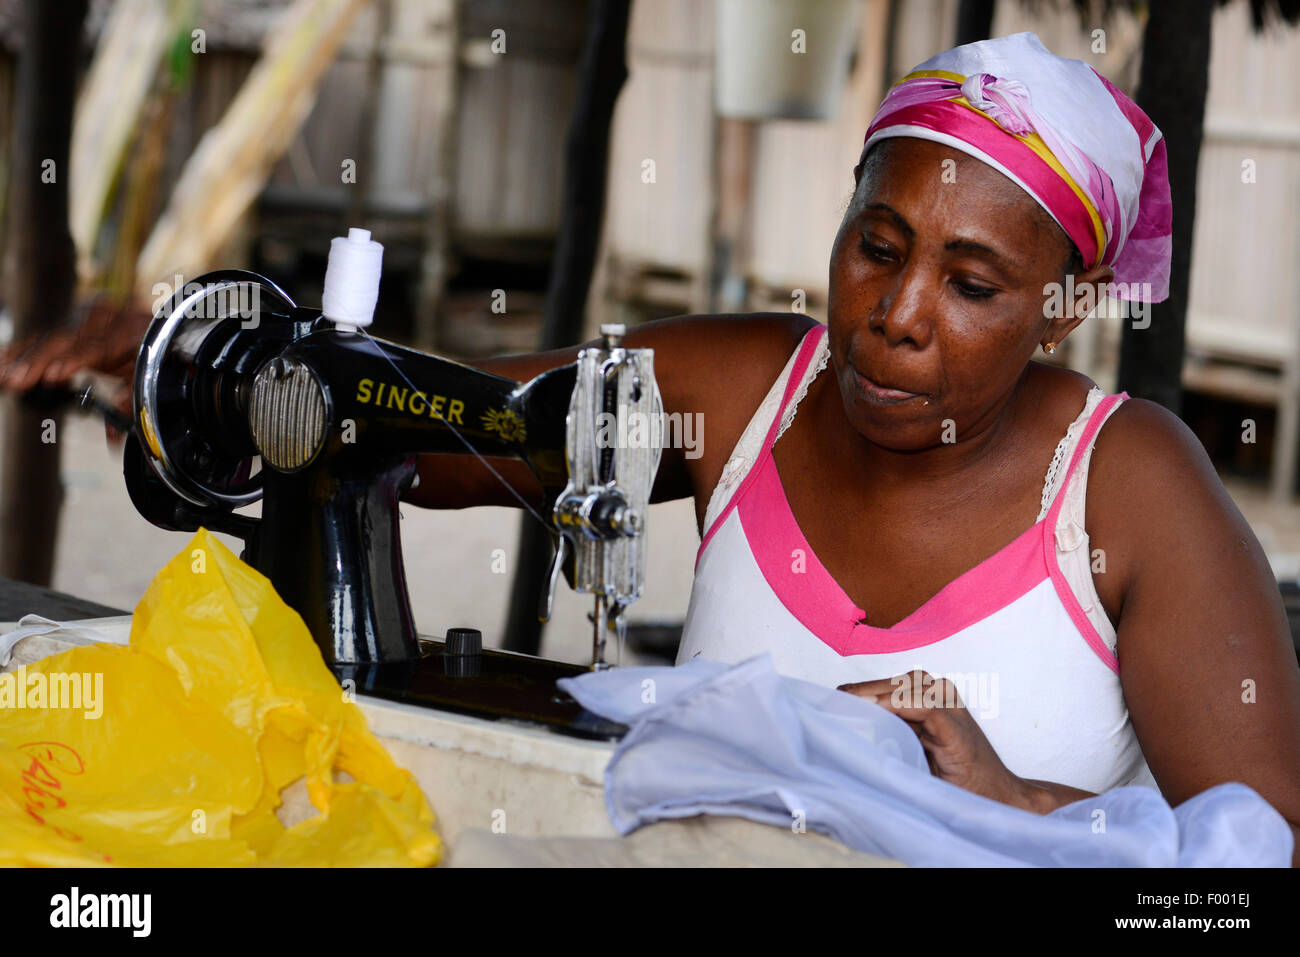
x: 220, y: 701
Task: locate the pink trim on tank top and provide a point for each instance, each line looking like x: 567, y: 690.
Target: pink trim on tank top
x: 806, y: 348
x: 817, y: 600
x: 1063, y: 589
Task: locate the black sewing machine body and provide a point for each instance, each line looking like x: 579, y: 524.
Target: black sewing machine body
x: 337, y: 419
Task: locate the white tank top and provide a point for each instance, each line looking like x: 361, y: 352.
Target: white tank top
x: 1023, y: 634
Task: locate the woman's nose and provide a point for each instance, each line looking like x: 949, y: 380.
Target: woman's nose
x: 906, y: 311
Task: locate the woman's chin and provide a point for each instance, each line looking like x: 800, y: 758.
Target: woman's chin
x: 904, y: 427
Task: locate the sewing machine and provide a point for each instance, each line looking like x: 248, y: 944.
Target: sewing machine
x: 242, y: 396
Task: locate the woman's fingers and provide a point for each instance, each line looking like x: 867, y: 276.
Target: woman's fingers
x: 123, y: 402
x: 31, y: 361
x: 61, y: 368
x: 932, y: 707
x: 912, y: 691
x: 104, y: 338
x: 955, y: 746
x: 878, y: 686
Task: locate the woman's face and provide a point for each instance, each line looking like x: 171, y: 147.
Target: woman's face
x: 936, y: 289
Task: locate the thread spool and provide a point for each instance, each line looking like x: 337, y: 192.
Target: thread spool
x: 352, y: 280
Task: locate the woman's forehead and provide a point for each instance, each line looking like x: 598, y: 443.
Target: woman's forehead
x: 926, y: 182
x: 908, y: 160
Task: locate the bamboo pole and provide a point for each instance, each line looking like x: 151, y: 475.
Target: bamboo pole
x: 108, y: 111
x: 234, y: 159
x: 41, y: 277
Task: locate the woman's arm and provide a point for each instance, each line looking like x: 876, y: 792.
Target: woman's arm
x: 1206, y: 658
x: 714, y: 367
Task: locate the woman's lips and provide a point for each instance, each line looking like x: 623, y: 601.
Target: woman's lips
x: 878, y: 394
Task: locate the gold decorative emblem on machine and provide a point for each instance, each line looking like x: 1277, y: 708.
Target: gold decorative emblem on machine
x: 505, y: 423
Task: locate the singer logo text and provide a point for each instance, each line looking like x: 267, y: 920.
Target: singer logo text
x: 402, y: 399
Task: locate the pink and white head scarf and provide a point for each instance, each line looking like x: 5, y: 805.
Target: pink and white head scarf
x: 1061, y: 132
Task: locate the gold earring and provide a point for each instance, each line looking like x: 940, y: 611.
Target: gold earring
x: 1050, y: 348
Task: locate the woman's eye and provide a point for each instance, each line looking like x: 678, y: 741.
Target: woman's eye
x: 878, y: 253
x: 971, y: 291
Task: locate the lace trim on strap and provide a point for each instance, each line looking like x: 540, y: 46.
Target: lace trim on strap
x: 750, y: 444
x: 1064, y: 449
x: 1073, y: 545
x: 822, y: 355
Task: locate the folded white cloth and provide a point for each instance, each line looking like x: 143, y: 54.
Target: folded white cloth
x: 30, y: 625
x: 743, y: 740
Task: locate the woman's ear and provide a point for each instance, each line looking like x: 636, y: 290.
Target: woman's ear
x: 1089, y: 290
x: 1066, y: 308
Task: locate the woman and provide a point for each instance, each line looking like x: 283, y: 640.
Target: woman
x: 942, y: 504
x: 1048, y: 583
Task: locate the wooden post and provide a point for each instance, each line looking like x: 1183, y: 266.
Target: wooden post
x: 441, y: 193
x: 41, y: 277
x: 602, y: 71
x: 733, y: 176
x: 1172, y: 88
x: 974, y: 21
x: 376, y: 62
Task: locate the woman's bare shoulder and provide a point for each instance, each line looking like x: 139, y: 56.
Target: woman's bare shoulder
x: 1151, y: 481
x: 705, y: 339
x: 722, y: 363
x: 715, y: 369
x: 1143, y: 441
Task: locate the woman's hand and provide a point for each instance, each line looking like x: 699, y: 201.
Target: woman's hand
x: 956, y: 748
x: 104, y: 338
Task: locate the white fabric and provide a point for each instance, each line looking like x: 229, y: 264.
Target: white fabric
x: 30, y: 625
x: 707, y: 738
